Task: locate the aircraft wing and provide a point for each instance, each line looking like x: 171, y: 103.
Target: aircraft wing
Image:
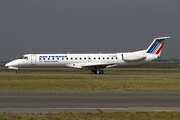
x: 98, y: 65
x: 91, y: 65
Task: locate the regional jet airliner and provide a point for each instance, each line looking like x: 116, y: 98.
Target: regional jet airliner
x: 93, y: 62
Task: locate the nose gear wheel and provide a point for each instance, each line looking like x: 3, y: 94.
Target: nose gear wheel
x: 17, y: 71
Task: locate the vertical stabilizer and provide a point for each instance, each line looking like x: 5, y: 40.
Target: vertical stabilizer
x: 157, y: 45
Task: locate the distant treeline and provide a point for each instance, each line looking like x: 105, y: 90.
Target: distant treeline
x: 167, y: 60
x: 4, y: 61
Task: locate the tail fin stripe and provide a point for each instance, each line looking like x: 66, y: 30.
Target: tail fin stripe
x: 155, y: 47
x: 160, y: 49
x: 151, y: 47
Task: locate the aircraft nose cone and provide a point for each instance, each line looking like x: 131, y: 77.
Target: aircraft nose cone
x: 12, y: 64
x: 7, y: 64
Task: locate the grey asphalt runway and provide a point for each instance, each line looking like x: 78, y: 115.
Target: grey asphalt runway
x: 33, y: 102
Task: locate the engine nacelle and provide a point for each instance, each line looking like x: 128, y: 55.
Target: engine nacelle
x: 133, y: 56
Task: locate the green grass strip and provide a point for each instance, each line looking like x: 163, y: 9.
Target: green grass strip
x: 96, y: 116
x: 65, y: 83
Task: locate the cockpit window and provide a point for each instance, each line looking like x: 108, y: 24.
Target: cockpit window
x: 26, y: 58
x: 21, y: 57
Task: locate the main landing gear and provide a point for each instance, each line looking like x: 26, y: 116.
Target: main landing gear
x: 98, y: 71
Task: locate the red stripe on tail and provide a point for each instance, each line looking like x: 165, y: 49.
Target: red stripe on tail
x: 160, y: 49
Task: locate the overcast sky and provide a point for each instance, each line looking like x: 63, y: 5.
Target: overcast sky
x: 87, y: 26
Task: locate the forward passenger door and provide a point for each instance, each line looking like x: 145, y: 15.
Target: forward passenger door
x: 33, y: 59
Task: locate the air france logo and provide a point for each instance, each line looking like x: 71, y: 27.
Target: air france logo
x: 52, y: 56
x: 50, y: 59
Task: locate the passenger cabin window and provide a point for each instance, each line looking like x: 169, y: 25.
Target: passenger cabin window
x: 116, y: 58
x: 107, y: 57
x: 103, y: 58
x: 75, y: 58
x: 53, y: 58
x: 66, y: 58
x: 71, y: 58
x: 99, y: 58
x: 80, y: 58
x: 48, y: 58
x: 43, y: 58
x: 94, y: 58
x: 84, y: 58
x: 57, y: 58
x: 39, y: 58
x: 112, y: 58
x: 62, y: 58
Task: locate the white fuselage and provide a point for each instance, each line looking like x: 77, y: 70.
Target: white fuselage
x: 86, y: 61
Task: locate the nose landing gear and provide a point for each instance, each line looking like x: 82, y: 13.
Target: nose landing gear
x: 17, y: 71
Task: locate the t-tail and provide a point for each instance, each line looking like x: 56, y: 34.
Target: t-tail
x: 157, y: 45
